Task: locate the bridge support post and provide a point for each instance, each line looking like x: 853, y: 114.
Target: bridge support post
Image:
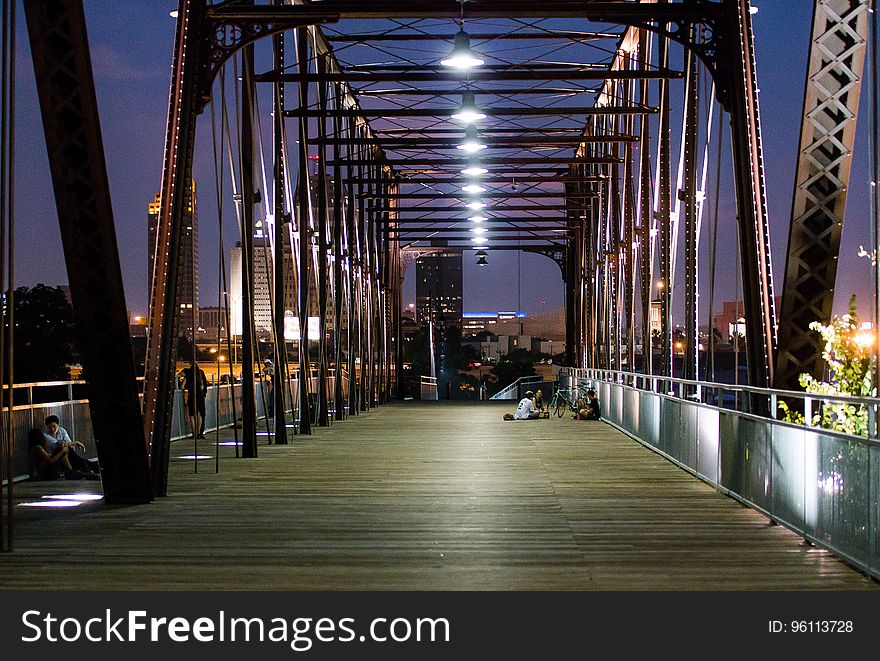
x: 66, y: 90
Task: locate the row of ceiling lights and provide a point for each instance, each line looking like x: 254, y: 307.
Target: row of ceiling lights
x: 463, y: 58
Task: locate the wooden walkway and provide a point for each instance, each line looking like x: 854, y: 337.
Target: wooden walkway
x: 422, y: 497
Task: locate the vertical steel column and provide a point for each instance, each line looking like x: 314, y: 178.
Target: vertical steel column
x: 302, y: 49
x: 165, y: 288
x: 691, y: 238
x: 339, y: 286
x: 248, y: 394
x: 751, y: 195
x: 279, y: 378
x: 629, y: 249
x: 664, y: 207
x: 354, y: 172
x: 571, y: 330
x: 323, y: 245
x: 646, y: 216
x: 363, y: 331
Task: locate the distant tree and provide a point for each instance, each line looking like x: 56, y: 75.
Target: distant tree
x: 512, y: 366
x: 44, y: 334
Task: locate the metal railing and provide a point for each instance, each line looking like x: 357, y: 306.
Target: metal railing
x: 821, y: 483
x: 516, y: 389
x: 428, y: 388
x: 75, y: 415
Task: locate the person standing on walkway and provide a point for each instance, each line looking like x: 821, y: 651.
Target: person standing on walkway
x: 195, y: 386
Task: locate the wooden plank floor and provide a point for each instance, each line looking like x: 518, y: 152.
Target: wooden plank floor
x: 421, y: 496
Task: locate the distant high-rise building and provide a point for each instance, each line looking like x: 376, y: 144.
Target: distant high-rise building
x: 439, y: 288
x: 189, y: 295
x: 263, y: 284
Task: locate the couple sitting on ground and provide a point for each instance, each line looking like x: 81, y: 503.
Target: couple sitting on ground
x: 52, y: 454
x: 530, y: 407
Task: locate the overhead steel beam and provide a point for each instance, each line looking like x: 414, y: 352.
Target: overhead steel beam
x: 433, y: 223
x: 463, y: 196
x: 360, y: 77
x: 548, y: 111
x: 510, y: 179
x: 499, y: 91
x: 498, y: 142
x: 484, y: 160
x: 554, y: 67
x: 831, y: 105
x: 505, y: 207
x: 69, y: 107
x: 476, y: 37
x: 330, y: 11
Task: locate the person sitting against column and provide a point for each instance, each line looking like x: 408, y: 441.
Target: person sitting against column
x: 588, y: 409
x: 49, y: 464
x: 57, y: 437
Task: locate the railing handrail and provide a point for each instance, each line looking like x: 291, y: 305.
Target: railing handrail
x: 798, y: 394
x: 532, y: 378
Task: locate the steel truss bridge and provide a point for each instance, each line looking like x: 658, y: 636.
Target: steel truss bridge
x: 578, y: 153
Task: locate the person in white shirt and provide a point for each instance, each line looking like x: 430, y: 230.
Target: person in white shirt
x: 57, y: 438
x: 526, y: 410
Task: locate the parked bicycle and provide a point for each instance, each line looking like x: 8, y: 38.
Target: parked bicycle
x: 565, y: 399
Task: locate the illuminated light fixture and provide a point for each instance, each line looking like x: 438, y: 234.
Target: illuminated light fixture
x: 481, y: 261
x: 476, y: 205
x: 477, y: 219
x: 481, y: 248
x: 195, y: 457
x: 473, y: 188
x: 173, y: 13
x: 468, y: 113
x: 479, y: 239
x: 479, y: 230
x: 753, y: 10
x: 77, y: 497
x: 230, y: 443
x: 474, y: 171
x: 471, y: 143
x: 462, y: 57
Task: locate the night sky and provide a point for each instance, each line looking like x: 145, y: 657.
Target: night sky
x: 131, y: 44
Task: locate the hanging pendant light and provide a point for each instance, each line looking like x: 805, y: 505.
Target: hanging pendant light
x: 473, y: 189
x: 471, y: 142
x: 462, y: 57
x: 476, y: 205
x: 468, y: 113
x: 474, y: 169
x: 479, y: 218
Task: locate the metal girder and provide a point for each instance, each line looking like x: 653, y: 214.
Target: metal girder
x: 751, y: 194
x: 356, y: 77
x: 477, y: 37
x: 456, y: 209
x: 510, y: 179
x: 831, y: 104
x: 463, y: 196
x: 402, y: 222
x: 495, y: 91
x: 486, y: 161
x: 424, y: 143
x: 66, y: 90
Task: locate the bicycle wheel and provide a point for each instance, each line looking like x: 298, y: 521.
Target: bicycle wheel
x: 559, y: 409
